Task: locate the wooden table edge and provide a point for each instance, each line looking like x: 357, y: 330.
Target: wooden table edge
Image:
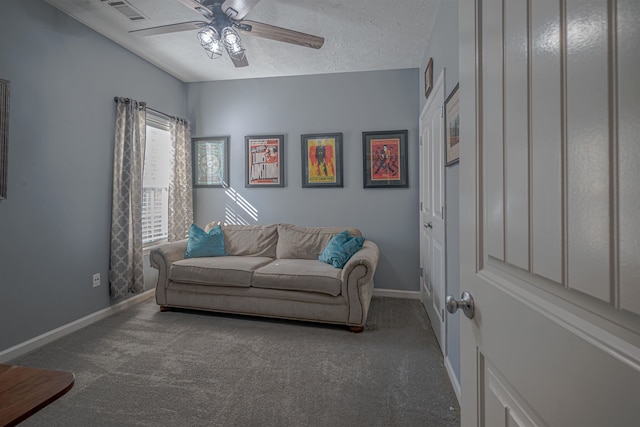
x: 68, y: 376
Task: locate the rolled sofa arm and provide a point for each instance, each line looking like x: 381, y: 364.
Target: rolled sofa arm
x: 161, y: 257
x: 357, y: 281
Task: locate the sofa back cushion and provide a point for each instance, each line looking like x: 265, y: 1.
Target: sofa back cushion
x: 306, y: 242
x: 249, y: 240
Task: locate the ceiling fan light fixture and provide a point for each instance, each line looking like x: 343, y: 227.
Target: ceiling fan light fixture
x: 210, y: 41
x: 232, y: 42
x: 224, y: 19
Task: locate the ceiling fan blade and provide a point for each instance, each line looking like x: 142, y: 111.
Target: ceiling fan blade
x: 197, y: 7
x: 172, y: 28
x: 238, y: 9
x: 280, y: 34
x: 240, y: 62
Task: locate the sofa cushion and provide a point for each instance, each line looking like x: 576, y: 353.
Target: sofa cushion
x: 306, y: 242
x: 298, y: 275
x: 249, y: 240
x: 217, y: 271
x: 204, y: 244
x: 341, y: 248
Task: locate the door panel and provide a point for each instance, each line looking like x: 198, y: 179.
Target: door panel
x: 628, y: 157
x: 433, y: 256
x: 588, y: 126
x: 436, y: 166
x: 501, y: 401
x: 493, y: 137
x: 555, y: 339
x: 546, y: 130
x: 438, y: 280
x: 516, y: 131
x: 426, y: 259
x: 565, y: 370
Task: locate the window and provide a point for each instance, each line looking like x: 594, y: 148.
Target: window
x: 155, y: 181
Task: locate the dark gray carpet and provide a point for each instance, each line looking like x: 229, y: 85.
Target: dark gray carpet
x: 141, y: 367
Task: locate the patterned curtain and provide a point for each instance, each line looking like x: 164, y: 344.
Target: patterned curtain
x: 125, y: 267
x: 180, y: 183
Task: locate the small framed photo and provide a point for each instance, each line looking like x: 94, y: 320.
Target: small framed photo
x: 452, y: 122
x: 428, y: 78
x: 321, y: 160
x: 385, y: 159
x: 211, y: 161
x: 264, y: 165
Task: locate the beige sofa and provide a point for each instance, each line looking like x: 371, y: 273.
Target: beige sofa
x: 270, y: 270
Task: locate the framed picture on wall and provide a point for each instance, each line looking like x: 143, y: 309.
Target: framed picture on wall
x: 211, y: 161
x: 264, y: 163
x: 4, y: 136
x: 428, y: 78
x: 385, y: 159
x: 452, y: 122
x: 321, y: 160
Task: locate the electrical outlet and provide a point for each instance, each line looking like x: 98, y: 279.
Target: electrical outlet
x: 96, y: 280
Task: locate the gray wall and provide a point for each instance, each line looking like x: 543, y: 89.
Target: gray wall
x: 54, y: 226
x: 349, y: 103
x: 443, y: 48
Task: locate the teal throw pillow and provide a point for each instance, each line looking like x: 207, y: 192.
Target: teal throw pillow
x: 341, y: 248
x: 202, y: 244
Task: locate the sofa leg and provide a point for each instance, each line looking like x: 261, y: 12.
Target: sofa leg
x: 164, y: 308
x: 356, y: 329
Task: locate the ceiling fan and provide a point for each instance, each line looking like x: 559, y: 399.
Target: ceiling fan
x: 224, y: 21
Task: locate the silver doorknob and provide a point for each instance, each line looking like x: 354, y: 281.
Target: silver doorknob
x: 466, y: 304
x: 428, y: 225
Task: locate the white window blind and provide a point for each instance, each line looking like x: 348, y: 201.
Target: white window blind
x: 155, y: 181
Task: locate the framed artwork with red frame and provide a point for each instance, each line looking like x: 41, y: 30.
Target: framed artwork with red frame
x: 264, y: 161
x: 385, y: 159
x: 321, y: 160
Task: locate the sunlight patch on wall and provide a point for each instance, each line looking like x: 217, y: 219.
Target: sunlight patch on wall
x: 238, y: 210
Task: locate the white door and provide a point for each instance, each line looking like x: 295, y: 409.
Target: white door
x: 550, y: 212
x: 432, y: 244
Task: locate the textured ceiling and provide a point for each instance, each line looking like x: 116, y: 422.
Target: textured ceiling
x: 360, y: 35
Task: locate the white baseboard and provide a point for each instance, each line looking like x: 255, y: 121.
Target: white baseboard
x: 455, y: 383
x: 391, y: 293
x: 47, y: 337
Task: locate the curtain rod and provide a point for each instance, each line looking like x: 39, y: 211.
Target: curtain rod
x: 156, y: 111
x: 163, y: 114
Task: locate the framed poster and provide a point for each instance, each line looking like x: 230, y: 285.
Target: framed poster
x: 321, y: 160
x: 452, y: 122
x: 4, y: 136
x: 385, y: 159
x: 264, y: 161
x: 211, y: 161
